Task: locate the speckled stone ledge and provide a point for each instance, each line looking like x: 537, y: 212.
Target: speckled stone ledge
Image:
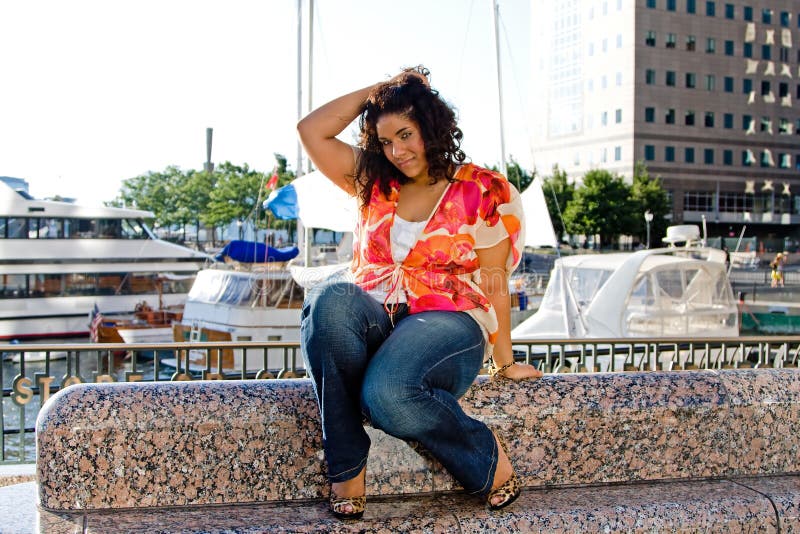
x: 133, y: 445
x: 703, y: 506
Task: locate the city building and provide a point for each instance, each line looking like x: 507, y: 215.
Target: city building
x: 704, y: 92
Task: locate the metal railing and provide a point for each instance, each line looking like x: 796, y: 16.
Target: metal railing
x: 30, y: 374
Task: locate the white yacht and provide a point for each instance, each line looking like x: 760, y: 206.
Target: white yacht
x: 60, y: 261
x: 658, y: 293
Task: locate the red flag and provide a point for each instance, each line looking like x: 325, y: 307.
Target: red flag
x: 273, y: 181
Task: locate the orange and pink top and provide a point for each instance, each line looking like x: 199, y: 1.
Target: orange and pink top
x: 479, y: 209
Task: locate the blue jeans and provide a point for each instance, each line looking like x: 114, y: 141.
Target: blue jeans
x: 404, y: 378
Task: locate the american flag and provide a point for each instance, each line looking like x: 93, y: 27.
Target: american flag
x: 95, y: 318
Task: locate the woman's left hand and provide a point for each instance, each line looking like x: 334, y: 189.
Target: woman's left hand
x: 521, y: 371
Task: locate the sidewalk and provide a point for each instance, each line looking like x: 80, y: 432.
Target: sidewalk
x: 18, y: 498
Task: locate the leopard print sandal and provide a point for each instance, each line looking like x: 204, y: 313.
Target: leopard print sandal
x: 509, y: 492
x: 339, y: 505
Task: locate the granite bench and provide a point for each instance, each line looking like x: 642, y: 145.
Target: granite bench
x: 649, y: 451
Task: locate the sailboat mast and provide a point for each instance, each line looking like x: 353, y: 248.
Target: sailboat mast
x: 496, y: 14
x: 299, y: 172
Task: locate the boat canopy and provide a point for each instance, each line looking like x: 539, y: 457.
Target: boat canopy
x: 252, y: 252
x: 651, y: 293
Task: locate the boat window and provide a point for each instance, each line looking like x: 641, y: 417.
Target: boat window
x: 13, y: 286
x: 46, y: 285
x: 236, y: 291
x: 585, y: 283
x: 3, y: 224
x: 17, y: 227
x: 109, y: 228
x: 51, y: 229
x: 81, y: 228
x: 133, y: 229
x: 670, y: 283
x: 643, y: 294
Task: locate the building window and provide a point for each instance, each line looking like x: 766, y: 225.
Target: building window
x: 727, y: 120
x: 604, y: 45
x: 649, y: 152
x: 766, y: 52
x: 604, y: 118
x: 747, y: 49
x: 670, y: 78
x: 649, y: 114
x: 708, y: 156
x: 698, y: 201
x: 671, y: 39
x: 671, y: 5
x: 766, y: 159
x: 730, y: 48
x: 711, y: 8
x: 766, y: 16
x: 691, y: 80
x: 688, y: 154
x: 709, y: 119
x: 650, y: 77
x: 727, y: 157
x: 590, y: 51
x: 786, y: 18
x: 603, y: 82
x: 690, y: 42
x: 651, y: 4
x: 797, y: 127
x: 669, y: 117
x: 785, y: 127
x: 618, y: 116
x: 730, y: 11
x: 619, y: 40
x: 783, y: 89
x: 747, y: 13
x: 766, y: 125
x: 617, y: 153
x: 650, y: 38
x: 746, y: 120
x: 783, y: 52
x: 747, y: 158
x: 619, y: 79
x: 747, y: 86
x: 691, y: 6
x: 711, y: 82
x: 785, y: 161
x: 711, y: 45
x: 728, y: 84
x: 669, y: 153
x: 689, y: 118
x: 766, y: 87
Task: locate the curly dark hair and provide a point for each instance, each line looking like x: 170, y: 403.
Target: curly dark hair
x: 409, y: 96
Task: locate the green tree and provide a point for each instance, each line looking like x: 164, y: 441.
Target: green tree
x: 153, y: 191
x: 648, y: 194
x: 602, y: 206
x: 194, y: 195
x: 517, y: 175
x: 236, y: 197
x: 558, y: 193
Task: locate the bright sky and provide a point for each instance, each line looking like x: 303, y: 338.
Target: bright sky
x: 96, y: 91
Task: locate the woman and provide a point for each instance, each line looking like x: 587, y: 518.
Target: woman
x: 434, y: 243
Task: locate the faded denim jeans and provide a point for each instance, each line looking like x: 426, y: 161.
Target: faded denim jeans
x: 404, y: 378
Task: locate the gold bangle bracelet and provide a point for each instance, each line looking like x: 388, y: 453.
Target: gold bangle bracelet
x: 499, y: 371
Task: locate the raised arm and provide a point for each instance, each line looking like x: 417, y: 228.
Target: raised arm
x: 318, y: 131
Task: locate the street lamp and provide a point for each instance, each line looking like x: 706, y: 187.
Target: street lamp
x: 648, y: 218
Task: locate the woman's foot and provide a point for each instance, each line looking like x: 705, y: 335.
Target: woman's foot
x: 505, y: 487
x: 348, y: 499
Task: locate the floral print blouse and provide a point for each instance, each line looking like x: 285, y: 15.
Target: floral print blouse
x: 441, y: 271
